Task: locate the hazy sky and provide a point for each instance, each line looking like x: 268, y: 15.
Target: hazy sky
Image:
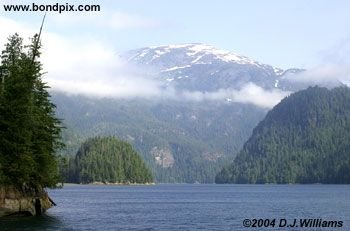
x: 285, y: 34
x: 80, y: 48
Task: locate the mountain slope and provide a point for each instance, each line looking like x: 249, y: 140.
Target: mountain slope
x: 304, y: 139
x: 189, y: 137
x: 202, y: 67
x: 180, y: 142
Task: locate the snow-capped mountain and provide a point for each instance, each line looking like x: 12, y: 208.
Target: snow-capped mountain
x: 203, y: 67
x: 182, y: 140
x: 188, y: 55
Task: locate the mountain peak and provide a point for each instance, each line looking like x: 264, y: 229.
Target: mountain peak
x: 192, y: 53
x: 202, y: 67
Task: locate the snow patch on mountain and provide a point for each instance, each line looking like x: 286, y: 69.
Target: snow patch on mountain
x: 175, y: 68
x: 219, y: 54
x: 278, y: 71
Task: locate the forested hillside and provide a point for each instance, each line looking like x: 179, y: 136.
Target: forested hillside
x: 304, y: 139
x: 180, y: 142
x: 107, y: 159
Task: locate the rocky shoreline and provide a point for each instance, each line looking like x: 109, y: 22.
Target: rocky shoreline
x: 23, y: 202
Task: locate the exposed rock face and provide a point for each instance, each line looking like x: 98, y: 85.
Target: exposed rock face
x: 163, y: 157
x: 16, y: 202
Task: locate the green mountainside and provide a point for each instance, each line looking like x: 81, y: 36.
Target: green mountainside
x: 110, y: 160
x: 180, y: 142
x: 303, y: 139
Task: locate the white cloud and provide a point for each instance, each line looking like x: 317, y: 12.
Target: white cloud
x: 326, y: 74
x: 334, y: 67
x: 90, y: 68
x: 84, y: 66
x: 249, y: 93
x: 77, y: 65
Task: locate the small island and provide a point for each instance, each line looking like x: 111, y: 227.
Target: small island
x: 108, y: 160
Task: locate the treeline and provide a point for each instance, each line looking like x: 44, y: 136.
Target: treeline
x: 29, y: 131
x: 304, y: 139
x: 108, y: 160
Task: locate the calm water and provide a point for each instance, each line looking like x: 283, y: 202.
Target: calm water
x: 186, y: 207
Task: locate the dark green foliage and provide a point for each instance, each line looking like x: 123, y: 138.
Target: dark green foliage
x: 29, y: 131
x: 108, y: 160
x: 304, y: 139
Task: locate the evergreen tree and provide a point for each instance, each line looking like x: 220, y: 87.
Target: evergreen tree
x: 29, y: 131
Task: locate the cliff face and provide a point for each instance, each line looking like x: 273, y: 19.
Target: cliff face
x: 23, y: 202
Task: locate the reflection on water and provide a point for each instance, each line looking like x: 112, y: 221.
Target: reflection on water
x: 45, y: 222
